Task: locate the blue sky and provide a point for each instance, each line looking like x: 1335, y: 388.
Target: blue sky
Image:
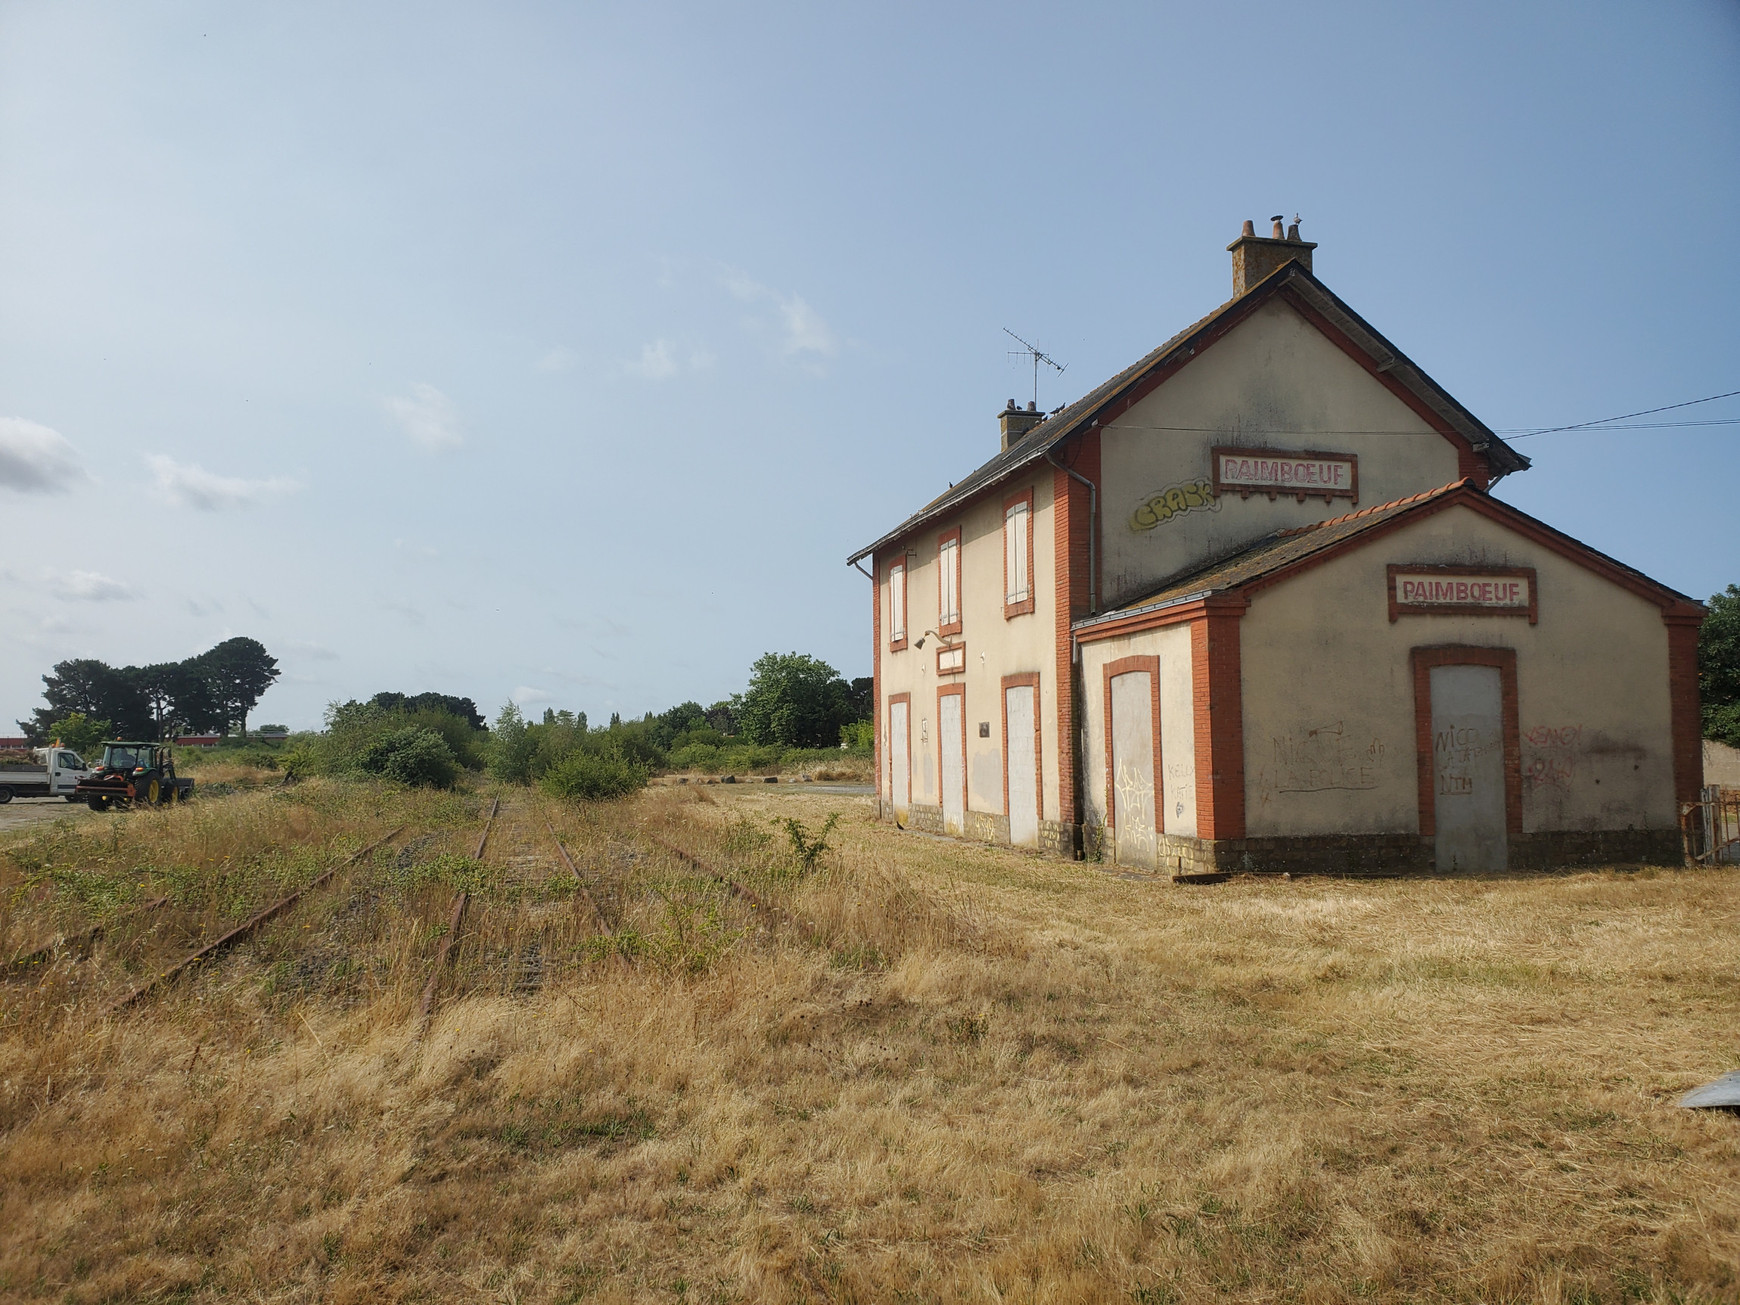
x: 563, y: 352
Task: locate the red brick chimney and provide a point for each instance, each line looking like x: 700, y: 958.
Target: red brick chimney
x: 1254, y: 257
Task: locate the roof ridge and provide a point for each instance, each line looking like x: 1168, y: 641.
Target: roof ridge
x: 1421, y: 497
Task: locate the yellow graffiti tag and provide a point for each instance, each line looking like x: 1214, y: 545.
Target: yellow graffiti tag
x: 1174, y: 501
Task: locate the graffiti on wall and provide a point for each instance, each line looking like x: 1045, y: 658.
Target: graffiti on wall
x: 1551, y: 757
x: 1181, y: 785
x: 1323, y: 759
x: 1134, y: 817
x: 1174, y: 501
x: 1456, y: 756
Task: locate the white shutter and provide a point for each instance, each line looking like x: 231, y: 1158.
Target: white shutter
x: 949, y: 583
x: 897, y: 602
x: 1015, y: 559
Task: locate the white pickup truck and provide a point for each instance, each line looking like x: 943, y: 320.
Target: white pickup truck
x: 51, y: 772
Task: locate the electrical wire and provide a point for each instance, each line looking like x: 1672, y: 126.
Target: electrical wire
x: 1515, y: 433
x: 1627, y: 416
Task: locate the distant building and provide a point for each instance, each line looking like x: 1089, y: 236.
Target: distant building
x: 1249, y: 605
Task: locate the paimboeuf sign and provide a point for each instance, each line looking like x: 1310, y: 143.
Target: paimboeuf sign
x: 1463, y: 591
x: 1303, y: 474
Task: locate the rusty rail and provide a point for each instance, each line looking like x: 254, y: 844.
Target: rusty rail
x: 605, y: 927
x: 450, y: 943
x: 252, y: 922
x: 603, y: 920
x: 736, y: 889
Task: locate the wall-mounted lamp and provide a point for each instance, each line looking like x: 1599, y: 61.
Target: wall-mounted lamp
x: 946, y: 638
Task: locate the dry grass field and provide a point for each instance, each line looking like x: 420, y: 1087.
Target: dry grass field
x: 926, y: 1072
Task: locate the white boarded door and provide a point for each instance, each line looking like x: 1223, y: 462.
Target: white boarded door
x: 1468, y: 768
x: 951, y: 725
x: 1132, y: 766
x: 900, y: 758
x: 1021, y: 748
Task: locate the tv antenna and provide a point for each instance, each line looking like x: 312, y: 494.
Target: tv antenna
x: 1038, y: 356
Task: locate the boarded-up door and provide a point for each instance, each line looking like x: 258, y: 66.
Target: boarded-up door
x: 1468, y: 768
x: 900, y: 758
x: 1020, y: 711
x: 1132, y: 767
x: 951, y: 725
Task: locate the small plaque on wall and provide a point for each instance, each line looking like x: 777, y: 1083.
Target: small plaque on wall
x: 1463, y: 591
x: 951, y: 661
x: 1303, y: 474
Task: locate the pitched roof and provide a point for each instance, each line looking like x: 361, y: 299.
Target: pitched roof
x: 1084, y: 413
x: 1275, y: 554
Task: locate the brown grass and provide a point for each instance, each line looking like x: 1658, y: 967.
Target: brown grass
x: 940, y: 1072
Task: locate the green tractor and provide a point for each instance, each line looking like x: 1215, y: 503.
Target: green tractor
x: 133, y: 772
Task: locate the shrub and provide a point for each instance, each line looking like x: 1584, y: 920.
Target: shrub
x: 415, y: 755
x: 80, y: 733
x: 859, y: 736
x: 586, y: 775
x: 511, y: 746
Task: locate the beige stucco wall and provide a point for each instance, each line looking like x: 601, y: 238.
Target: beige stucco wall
x: 1177, y: 724
x: 1273, y: 372
x: 1721, y: 764
x: 996, y: 646
x: 1328, y: 683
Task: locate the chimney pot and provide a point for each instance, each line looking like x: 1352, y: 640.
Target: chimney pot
x: 1011, y: 407
x: 1256, y: 257
x: 1032, y: 405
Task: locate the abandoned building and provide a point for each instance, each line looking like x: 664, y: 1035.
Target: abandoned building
x: 1250, y: 605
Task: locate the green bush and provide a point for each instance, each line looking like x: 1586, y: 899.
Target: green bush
x: 415, y: 755
x: 587, y: 775
x: 82, y: 734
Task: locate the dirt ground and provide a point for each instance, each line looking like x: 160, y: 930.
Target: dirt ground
x: 22, y: 812
x: 911, y: 1069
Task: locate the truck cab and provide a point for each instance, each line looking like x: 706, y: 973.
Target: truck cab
x: 53, y: 771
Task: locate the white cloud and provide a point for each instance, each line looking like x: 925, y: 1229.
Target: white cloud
x: 802, y: 327
x: 187, y: 484
x: 559, y: 359
x: 37, y: 460
x: 91, y: 587
x: 311, y: 652
x: 525, y: 695
x: 656, y: 362
x: 428, y: 418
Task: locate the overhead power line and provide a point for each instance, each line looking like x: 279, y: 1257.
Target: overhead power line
x: 1515, y: 433
x: 1627, y: 416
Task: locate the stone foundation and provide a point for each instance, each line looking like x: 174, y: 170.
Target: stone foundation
x: 1354, y: 856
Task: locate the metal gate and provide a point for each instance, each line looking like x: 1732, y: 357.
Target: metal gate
x: 1711, y: 828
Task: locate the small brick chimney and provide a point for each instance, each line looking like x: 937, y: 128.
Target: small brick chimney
x: 1254, y: 257
x: 1016, y: 422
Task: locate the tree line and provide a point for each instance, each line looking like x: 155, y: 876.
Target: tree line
x: 212, y: 692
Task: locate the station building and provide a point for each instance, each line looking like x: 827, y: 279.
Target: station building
x: 1251, y: 605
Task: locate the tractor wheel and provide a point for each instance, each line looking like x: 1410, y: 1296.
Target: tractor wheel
x: 153, y: 793
x: 5, y: 795
x: 97, y: 803
x: 169, y: 795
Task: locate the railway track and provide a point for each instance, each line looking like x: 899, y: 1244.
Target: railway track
x: 450, y: 942
x: 248, y: 926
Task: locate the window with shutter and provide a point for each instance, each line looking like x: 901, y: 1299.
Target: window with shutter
x: 1018, y: 554
x: 897, y: 605
x: 948, y: 555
